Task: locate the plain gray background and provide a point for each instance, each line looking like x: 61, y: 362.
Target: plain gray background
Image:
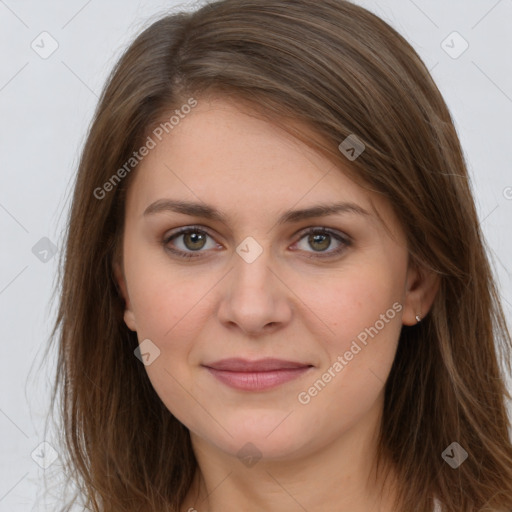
x: 46, y: 104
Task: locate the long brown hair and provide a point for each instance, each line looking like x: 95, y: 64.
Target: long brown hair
x: 338, y: 70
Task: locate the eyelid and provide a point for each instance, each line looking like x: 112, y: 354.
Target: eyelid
x: 183, y: 231
x: 324, y: 229
x: 345, y: 241
x: 343, y: 238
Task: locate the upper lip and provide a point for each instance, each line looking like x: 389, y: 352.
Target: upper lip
x: 260, y: 365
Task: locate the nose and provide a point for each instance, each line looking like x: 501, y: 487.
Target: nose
x: 254, y: 298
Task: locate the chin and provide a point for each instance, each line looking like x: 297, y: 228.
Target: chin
x: 271, y: 436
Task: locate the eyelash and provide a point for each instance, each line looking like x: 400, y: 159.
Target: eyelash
x: 345, y: 241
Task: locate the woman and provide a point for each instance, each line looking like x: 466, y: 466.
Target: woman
x: 275, y: 293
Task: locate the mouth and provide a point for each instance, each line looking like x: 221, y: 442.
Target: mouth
x: 257, y: 375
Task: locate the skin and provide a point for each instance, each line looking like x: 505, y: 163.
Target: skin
x: 285, y: 304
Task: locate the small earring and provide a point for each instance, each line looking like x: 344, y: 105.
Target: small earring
x: 418, y: 318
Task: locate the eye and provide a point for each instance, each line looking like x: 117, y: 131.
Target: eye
x: 193, y: 240
x: 320, y: 240
x: 190, y: 241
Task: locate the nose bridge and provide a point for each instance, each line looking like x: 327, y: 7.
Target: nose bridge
x: 254, y: 298
x: 252, y: 265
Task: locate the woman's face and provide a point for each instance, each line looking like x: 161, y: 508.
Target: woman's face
x: 326, y: 307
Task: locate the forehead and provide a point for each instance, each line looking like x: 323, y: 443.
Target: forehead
x: 226, y: 156
x: 222, y: 146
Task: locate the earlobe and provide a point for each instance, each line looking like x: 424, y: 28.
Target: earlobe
x: 129, y: 317
x: 129, y: 320
x: 422, y: 286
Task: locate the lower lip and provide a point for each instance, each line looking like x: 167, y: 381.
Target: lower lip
x: 257, y: 381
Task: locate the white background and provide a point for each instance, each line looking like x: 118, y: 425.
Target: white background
x: 46, y: 105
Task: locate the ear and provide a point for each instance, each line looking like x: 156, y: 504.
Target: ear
x: 421, y: 288
x: 129, y: 317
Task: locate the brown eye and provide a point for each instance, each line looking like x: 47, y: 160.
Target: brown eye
x: 320, y: 240
x: 188, y: 241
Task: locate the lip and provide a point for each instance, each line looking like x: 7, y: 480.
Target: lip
x: 257, y: 375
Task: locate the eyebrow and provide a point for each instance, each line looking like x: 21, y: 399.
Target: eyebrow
x: 208, y: 212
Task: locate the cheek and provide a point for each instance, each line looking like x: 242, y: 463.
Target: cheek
x: 163, y: 298
x: 350, y: 302
x: 167, y: 311
x: 362, y: 308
